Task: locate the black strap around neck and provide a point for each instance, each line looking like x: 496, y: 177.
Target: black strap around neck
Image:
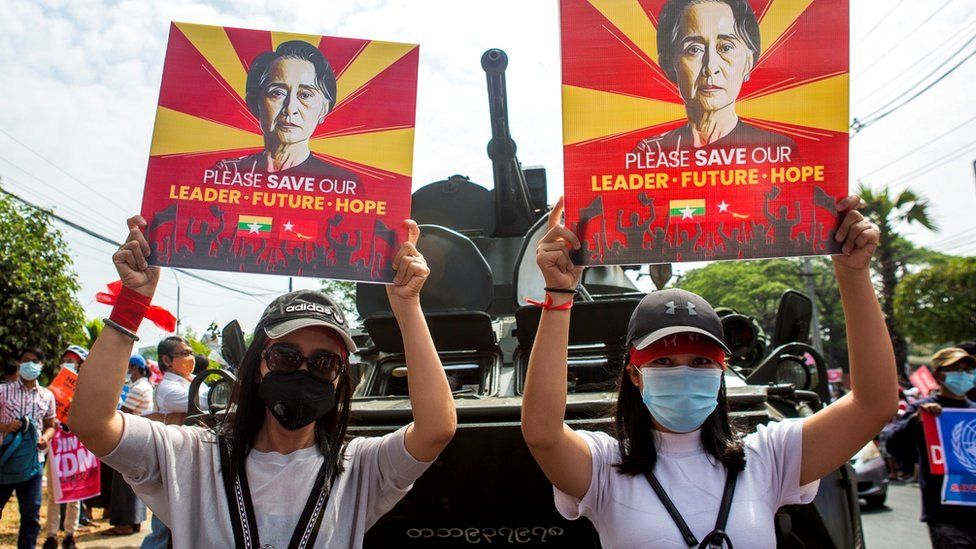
x: 716, y: 537
x: 242, y: 517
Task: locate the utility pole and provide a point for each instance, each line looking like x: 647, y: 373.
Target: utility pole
x: 812, y: 294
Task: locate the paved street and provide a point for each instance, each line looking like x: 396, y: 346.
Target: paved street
x: 896, y: 524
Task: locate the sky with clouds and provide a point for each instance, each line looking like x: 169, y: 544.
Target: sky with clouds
x: 81, y: 80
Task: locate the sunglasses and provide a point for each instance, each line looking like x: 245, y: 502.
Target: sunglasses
x: 324, y: 366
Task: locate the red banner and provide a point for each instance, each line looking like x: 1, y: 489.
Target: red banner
x: 63, y: 387
x: 281, y: 153
x: 923, y: 380
x: 693, y: 131
x: 77, y: 468
x: 933, y: 444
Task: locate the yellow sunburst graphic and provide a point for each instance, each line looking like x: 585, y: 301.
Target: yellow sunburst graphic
x: 590, y: 114
x: 178, y: 133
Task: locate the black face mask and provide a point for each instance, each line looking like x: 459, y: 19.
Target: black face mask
x: 295, y: 398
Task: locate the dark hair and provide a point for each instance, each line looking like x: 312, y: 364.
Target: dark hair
x: 10, y: 366
x: 635, y: 431
x: 248, y: 412
x: 260, y: 72
x: 669, y: 23
x: 166, y: 347
x: 201, y: 363
x: 36, y: 351
x: 968, y: 346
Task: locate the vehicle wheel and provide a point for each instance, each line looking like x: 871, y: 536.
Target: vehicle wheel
x: 875, y: 502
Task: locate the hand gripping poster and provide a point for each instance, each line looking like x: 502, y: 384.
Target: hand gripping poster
x: 281, y: 153
x: 710, y: 130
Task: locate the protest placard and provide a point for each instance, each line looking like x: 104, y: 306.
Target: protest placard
x: 63, y: 387
x: 692, y: 131
x: 281, y: 153
x: 77, y: 468
x: 957, y: 436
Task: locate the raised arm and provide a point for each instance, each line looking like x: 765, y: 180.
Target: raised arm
x: 92, y: 416
x: 833, y: 435
x: 562, y: 454
x: 434, y: 416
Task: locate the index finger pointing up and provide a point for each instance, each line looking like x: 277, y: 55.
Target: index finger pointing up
x: 413, y: 231
x: 556, y: 215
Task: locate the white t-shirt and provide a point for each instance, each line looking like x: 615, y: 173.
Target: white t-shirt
x: 176, y: 472
x: 628, y: 514
x: 138, y: 400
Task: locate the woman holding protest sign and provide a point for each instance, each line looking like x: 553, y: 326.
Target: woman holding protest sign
x: 659, y: 482
x: 281, y: 457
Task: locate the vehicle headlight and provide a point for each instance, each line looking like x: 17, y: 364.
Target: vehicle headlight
x: 792, y: 372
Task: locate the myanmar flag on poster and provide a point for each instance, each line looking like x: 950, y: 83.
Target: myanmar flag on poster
x: 252, y: 225
x: 229, y: 189
x: 672, y: 153
x: 687, y: 210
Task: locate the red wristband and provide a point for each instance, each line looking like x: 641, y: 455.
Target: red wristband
x: 130, y: 308
x: 548, y: 306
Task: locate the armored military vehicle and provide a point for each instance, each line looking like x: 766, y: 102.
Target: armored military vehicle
x: 485, y: 487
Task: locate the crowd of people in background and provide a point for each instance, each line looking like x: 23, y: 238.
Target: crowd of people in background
x: 903, y: 440
x: 155, y: 389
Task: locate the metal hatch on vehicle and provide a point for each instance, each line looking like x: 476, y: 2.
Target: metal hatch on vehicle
x: 455, y: 297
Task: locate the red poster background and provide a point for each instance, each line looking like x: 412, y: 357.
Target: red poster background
x: 615, y: 95
x: 204, y: 123
x: 77, y: 468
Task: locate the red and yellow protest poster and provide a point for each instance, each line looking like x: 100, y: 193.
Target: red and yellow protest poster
x: 281, y: 153
x: 703, y: 130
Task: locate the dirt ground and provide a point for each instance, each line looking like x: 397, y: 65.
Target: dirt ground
x: 89, y: 536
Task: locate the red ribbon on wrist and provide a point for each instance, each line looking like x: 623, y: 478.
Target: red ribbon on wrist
x: 548, y: 306
x: 130, y: 307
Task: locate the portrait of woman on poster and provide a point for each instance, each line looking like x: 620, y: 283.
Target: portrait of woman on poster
x: 708, y: 48
x: 290, y: 90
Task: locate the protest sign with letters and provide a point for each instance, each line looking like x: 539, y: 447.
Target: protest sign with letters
x: 692, y: 132
x: 281, y: 153
x: 63, y: 387
x: 77, y: 468
x: 957, y: 435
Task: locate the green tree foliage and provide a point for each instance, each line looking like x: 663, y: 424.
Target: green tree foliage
x: 37, y: 283
x: 938, y: 304
x: 754, y: 288
x: 343, y: 293
x: 894, y: 252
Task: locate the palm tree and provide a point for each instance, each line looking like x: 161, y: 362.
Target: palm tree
x: 894, y: 252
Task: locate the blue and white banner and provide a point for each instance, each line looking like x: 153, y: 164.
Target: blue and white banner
x: 957, y: 432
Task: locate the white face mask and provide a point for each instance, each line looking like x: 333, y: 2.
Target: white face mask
x: 70, y: 366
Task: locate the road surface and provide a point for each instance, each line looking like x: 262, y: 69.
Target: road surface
x: 896, y: 525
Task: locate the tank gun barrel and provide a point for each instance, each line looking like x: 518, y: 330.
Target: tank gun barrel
x: 513, y: 209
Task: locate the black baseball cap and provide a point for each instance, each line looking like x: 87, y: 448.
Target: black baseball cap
x: 301, y: 309
x: 674, y: 311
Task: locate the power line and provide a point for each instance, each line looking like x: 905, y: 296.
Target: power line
x: 906, y: 178
x: 35, y: 191
x: 903, y: 41
x: 60, y: 169
x: 902, y: 157
x: 879, y: 23
x: 859, y: 125
x: 117, y: 244
x: 927, y: 56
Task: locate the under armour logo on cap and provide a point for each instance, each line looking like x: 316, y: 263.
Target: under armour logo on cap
x: 690, y: 307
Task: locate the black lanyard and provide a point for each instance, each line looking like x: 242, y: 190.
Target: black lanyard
x: 242, y: 518
x: 716, y: 537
